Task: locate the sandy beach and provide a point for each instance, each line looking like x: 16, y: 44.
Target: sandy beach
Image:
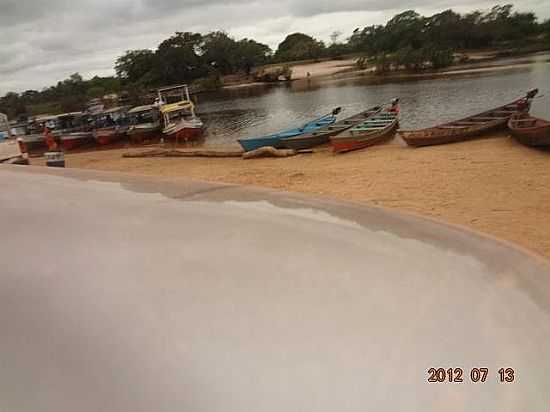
x: 492, y: 185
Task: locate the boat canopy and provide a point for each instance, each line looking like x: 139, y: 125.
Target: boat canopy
x: 174, y: 107
x: 140, y: 109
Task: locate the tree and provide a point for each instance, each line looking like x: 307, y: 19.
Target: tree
x: 250, y: 53
x: 220, y: 51
x: 134, y: 65
x: 179, y: 59
x: 299, y: 46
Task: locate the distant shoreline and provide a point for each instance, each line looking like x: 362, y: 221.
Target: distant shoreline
x: 479, y: 62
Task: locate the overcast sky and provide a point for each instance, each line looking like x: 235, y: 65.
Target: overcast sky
x: 44, y: 41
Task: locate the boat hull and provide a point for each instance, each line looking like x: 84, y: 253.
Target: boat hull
x: 140, y: 134
x: 470, y: 127
x: 73, y: 141
x: 33, y: 144
x: 529, y: 130
x: 322, y: 136
x: 347, y: 144
x: 253, y: 144
x: 276, y: 139
x: 109, y: 135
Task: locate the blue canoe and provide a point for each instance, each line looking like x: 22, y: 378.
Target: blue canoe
x: 274, y: 140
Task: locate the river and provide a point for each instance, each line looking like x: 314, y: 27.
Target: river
x: 257, y: 110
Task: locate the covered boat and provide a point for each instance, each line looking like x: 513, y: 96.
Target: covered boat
x: 144, y: 124
x: 323, y: 135
x: 111, y: 125
x: 276, y: 139
x: 469, y: 127
x: 72, y: 130
x: 33, y: 141
x: 529, y: 130
x: 378, y: 128
x: 179, y: 119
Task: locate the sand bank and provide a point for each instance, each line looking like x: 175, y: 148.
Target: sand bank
x: 492, y: 185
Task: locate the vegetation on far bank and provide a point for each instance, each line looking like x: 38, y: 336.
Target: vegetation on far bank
x: 408, y: 41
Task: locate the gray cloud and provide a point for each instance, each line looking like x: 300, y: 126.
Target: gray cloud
x: 44, y: 41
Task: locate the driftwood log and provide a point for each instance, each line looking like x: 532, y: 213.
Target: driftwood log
x: 269, y: 151
x: 184, y: 153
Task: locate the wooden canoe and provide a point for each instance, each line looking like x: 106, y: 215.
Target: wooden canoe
x: 376, y: 129
x: 275, y: 139
x: 529, y: 130
x: 323, y: 135
x: 469, y: 127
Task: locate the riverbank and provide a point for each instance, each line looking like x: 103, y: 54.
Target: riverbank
x: 492, y: 185
x: 476, y: 62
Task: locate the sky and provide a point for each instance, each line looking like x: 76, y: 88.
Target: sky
x: 45, y: 41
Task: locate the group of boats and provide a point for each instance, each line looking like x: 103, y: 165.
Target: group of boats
x: 379, y: 124
x: 173, y: 121
x: 372, y: 126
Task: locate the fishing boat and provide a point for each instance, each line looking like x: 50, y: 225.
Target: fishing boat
x: 33, y: 141
x: 322, y: 135
x: 144, y: 124
x: 469, y: 127
x: 179, y: 119
x: 111, y: 125
x: 529, y: 130
x: 72, y: 130
x: 378, y: 128
x: 276, y: 139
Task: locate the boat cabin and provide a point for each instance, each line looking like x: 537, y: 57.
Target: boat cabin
x: 175, y: 104
x: 117, y: 116
x: 143, y: 114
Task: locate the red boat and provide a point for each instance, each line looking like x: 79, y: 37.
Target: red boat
x: 375, y: 129
x: 71, y: 141
x: 180, y: 120
x: 111, y: 125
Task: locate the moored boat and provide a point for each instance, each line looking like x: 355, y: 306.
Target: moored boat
x: 179, y: 119
x: 469, y: 127
x: 276, y: 139
x: 33, y: 141
x: 144, y: 124
x: 111, y: 125
x: 376, y: 129
x: 72, y: 130
x: 529, y: 130
x: 74, y: 140
x: 322, y: 135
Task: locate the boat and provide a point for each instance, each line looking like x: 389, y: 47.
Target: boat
x: 179, y: 119
x: 74, y: 140
x: 276, y: 139
x: 72, y: 130
x: 469, y: 127
x: 144, y: 124
x: 529, y: 130
x: 378, y: 128
x: 33, y: 141
x: 322, y: 135
x: 111, y: 125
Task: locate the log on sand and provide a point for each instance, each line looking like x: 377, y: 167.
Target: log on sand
x: 269, y: 151
x: 184, y: 153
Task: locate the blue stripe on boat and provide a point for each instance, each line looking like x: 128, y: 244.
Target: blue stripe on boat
x: 274, y: 139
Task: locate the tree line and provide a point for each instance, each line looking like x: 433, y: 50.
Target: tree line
x: 408, y: 41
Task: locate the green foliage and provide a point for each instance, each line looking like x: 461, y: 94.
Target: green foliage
x: 299, y: 46
x: 415, y: 42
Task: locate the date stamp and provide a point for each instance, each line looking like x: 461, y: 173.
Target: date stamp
x: 475, y: 375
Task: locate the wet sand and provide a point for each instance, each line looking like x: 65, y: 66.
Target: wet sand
x: 494, y: 185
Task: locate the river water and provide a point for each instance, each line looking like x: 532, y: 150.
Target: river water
x: 257, y: 110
